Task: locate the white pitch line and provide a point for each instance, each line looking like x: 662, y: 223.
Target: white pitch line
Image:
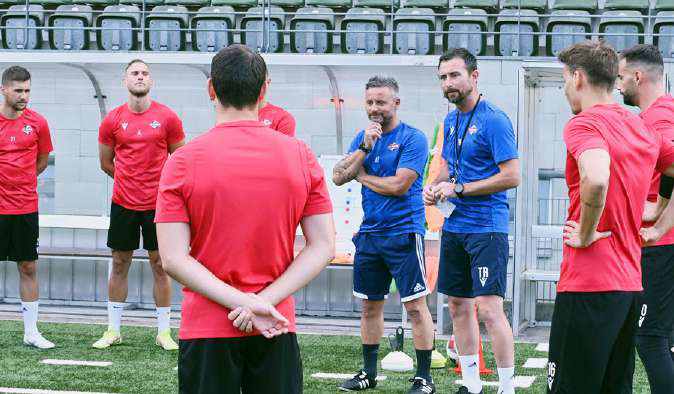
x: 323, y: 375
x: 77, y: 362
x: 543, y: 347
x: 9, y: 390
x: 536, y: 363
x: 523, y: 382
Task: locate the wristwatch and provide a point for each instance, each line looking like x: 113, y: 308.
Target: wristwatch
x: 458, y: 189
x: 364, y: 148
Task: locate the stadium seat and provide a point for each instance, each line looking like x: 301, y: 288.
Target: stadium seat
x: 626, y: 24
x: 252, y: 23
x: 212, y: 28
x: 413, y: 31
x: 481, y: 4
x: 118, y: 22
x: 318, y: 19
x: 188, y: 3
x: 148, y: 3
x: 341, y: 4
x: 363, y: 31
x: 538, y: 5
x: 386, y: 4
x: 165, y: 28
x: 465, y: 28
x: 585, y: 5
x: 441, y: 5
x: 14, y: 27
x: 48, y: 4
x: 636, y: 5
x: 234, y: 3
x: 664, y: 25
x: 562, y: 24
x: 73, y: 22
x: 516, y: 33
x: 294, y: 4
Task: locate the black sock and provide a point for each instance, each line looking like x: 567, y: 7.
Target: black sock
x: 370, y: 353
x: 424, y: 364
x: 656, y: 356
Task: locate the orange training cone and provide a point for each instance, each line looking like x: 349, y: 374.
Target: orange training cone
x: 483, y: 366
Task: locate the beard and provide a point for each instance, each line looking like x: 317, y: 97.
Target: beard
x: 456, y: 96
x: 383, y: 119
x: 139, y: 92
x: 629, y: 99
x: 19, y: 106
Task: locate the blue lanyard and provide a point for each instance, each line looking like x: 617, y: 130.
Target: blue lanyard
x: 458, y: 147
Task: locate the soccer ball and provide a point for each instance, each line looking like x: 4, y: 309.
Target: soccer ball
x: 452, y: 352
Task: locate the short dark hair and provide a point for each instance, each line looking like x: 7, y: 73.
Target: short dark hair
x: 381, y: 81
x: 463, y: 53
x: 237, y: 75
x: 15, y: 74
x: 646, y: 55
x: 134, y: 61
x: 596, y: 58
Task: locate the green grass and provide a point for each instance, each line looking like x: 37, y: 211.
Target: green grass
x: 140, y: 367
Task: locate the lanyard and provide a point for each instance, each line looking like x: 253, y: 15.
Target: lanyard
x: 458, y: 146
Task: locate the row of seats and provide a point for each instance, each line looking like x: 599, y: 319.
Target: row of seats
x: 361, y: 30
x: 539, y: 6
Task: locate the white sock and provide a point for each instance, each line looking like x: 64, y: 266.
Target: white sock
x: 163, y: 318
x: 115, y: 315
x: 506, y: 380
x: 470, y: 372
x: 29, y: 317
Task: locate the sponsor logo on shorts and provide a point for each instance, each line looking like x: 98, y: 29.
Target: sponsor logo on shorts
x: 642, y: 317
x: 552, y: 368
x: 419, y: 287
x: 483, y: 274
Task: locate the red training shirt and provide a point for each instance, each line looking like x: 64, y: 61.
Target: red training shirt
x: 660, y: 117
x: 21, y: 141
x: 243, y: 190
x: 613, y: 263
x: 141, y: 142
x: 278, y: 119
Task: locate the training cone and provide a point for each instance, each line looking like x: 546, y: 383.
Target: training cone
x: 397, y: 361
x: 483, y: 367
x: 438, y: 360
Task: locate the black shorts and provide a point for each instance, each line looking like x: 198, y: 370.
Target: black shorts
x: 126, y: 226
x: 246, y: 365
x: 19, y: 237
x: 656, y: 303
x: 592, y: 342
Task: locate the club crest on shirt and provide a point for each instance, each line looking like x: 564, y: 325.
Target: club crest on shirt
x: 266, y: 122
x: 27, y: 129
x: 155, y: 124
x: 393, y: 146
x: 124, y: 126
x: 472, y: 129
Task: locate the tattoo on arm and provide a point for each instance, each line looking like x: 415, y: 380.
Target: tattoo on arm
x: 347, y: 169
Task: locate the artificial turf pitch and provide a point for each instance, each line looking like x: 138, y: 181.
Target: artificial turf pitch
x: 143, y: 368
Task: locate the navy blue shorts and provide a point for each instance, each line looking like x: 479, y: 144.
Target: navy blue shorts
x: 473, y: 265
x: 380, y: 258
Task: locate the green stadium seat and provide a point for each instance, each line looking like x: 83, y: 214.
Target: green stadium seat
x: 340, y: 4
x: 14, y: 27
x: 377, y: 3
x: 636, y: 5
x: 73, y: 22
x: 212, y: 28
x: 516, y: 33
x: 235, y: 3
x: 626, y: 24
x: 562, y: 24
x: 586, y: 5
x: 664, y: 5
x: 440, y: 5
x: 165, y: 28
x: 538, y: 5
x: 188, y: 3
x: 481, y: 4
x: 252, y: 23
x: 413, y: 31
x: 119, y: 22
x: 294, y: 4
x: 465, y: 28
x: 363, y: 31
x: 49, y: 3
x: 148, y: 3
x: 663, y: 29
x: 318, y: 19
